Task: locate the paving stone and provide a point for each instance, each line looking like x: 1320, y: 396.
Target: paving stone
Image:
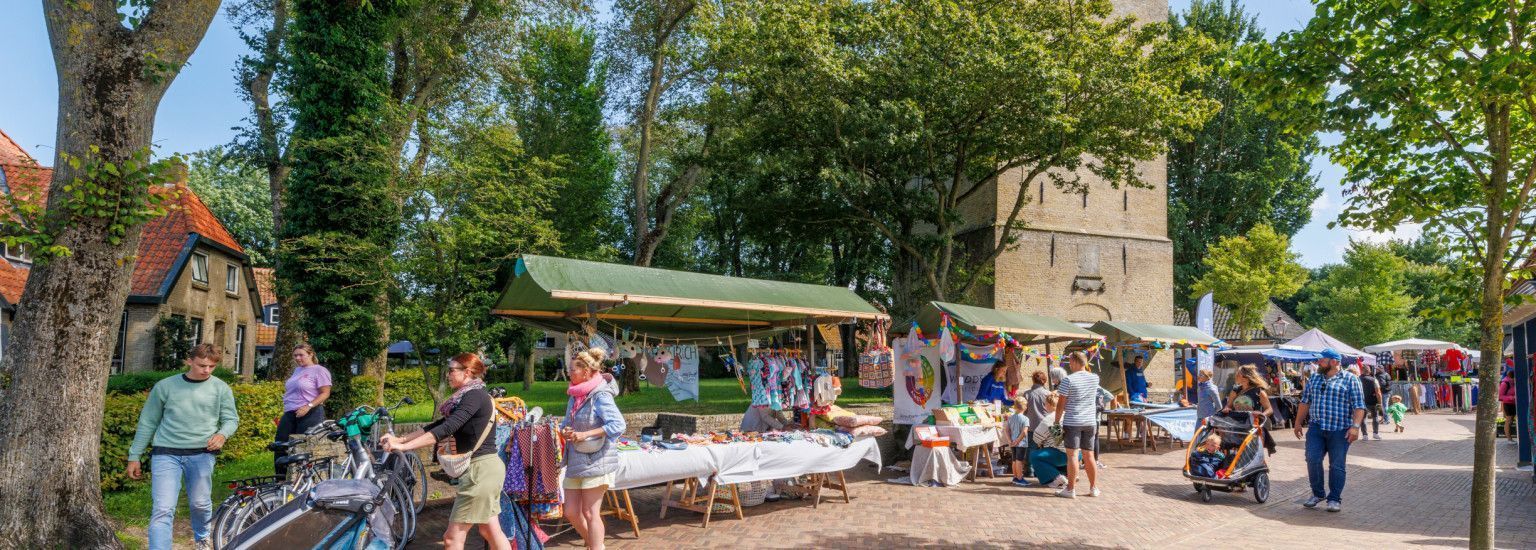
x: 1411, y: 489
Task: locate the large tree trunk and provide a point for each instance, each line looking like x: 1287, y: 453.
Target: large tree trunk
x: 1484, y: 469
x: 109, y: 90
x: 274, y: 157
x: 528, y: 371
x: 378, y: 365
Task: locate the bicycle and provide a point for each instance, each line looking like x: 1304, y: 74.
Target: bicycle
x: 255, y: 498
x: 407, y: 465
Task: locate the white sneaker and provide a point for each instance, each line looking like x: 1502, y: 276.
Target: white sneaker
x: 1066, y: 493
x: 1311, y: 502
x: 1059, y: 483
x: 1376, y: 437
x: 1094, y: 492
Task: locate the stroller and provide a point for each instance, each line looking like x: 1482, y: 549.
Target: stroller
x: 338, y: 514
x: 1242, y: 441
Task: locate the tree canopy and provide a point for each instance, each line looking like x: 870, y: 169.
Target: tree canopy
x: 1240, y: 168
x: 1364, y: 301
x: 1245, y: 271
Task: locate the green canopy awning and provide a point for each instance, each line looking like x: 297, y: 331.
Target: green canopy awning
x: 1024, y: 327
x: 557, y: 293
x: 1122, y: 333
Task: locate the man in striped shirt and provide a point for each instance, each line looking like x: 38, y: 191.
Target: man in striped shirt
x: 1079, y: 419
x: 1332, y: 407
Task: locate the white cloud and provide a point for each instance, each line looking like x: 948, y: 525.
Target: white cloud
x: 1322, y: 204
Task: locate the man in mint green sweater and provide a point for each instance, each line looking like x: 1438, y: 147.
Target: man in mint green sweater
x: 187, y: 418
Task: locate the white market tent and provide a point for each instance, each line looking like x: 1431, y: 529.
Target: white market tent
x: 1418, y: 344
x: 1317, y: 340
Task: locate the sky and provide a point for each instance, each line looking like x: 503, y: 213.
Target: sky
x: 202, y: 106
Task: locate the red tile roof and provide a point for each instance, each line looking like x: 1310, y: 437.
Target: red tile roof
x: 12, y: 281
x: 11, y: 152
x: 266, y: 336
x: 164, y: 237
x: 264, y: 285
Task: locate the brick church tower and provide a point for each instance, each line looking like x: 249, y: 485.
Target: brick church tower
x: 1105, y: 255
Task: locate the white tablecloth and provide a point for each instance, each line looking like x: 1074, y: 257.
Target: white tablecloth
x: 777, y: 460
x: 963, y: 437
x: 741, y: 462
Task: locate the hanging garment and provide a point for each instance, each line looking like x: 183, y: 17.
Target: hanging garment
x: 756, y: 370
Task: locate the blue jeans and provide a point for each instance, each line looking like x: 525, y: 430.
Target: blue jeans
x: 167, y: 474
x: 1047, y: 464
x: 1335, y: 444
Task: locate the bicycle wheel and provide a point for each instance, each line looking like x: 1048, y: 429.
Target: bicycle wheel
x: 266, y: 499
x: 404, y: 525
x: 415, y: 478
x: 219, y: 530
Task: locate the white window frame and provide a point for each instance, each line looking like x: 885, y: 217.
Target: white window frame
x: 272, y: 314
x: 195, y: 326
x: 231, y: 279
x: 200, y: 267
x: 18, y: 253
x: 239, y: 348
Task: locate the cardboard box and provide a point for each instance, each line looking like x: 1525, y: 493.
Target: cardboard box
x: 935, y: 443
x: 946, y: 417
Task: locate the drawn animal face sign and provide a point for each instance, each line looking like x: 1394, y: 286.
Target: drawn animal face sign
x: 661, y: 355
x: 628, y: 349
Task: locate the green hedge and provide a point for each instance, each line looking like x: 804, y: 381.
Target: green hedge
x: 137, y: 382
x: 259, y: 406
x: 398, y: 384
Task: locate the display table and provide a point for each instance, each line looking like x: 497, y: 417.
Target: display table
x: 1143, y: 418
x: 702, y: 469
x: 978, y: 442
x: 936, y: 465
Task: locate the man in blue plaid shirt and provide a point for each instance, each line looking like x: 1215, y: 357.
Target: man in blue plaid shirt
x: 1332, y: 406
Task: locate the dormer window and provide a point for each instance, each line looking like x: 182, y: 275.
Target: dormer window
x: 20, y: 252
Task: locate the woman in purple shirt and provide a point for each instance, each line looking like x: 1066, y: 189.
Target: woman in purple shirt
x: 304, y: 398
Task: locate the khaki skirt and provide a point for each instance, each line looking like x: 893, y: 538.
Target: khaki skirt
x: 479, y: 496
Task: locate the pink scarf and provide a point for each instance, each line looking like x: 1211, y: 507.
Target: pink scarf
x: 579, y: 392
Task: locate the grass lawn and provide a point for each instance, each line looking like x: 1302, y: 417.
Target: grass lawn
x: 716, y: 396
x: 130, y: 507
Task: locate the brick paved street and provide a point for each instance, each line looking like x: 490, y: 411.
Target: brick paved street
x: 1408, y: 490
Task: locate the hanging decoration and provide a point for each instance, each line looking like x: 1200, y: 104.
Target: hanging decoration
x: 876, y: 364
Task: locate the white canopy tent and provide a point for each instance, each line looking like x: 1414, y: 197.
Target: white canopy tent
x: 1418, y: 344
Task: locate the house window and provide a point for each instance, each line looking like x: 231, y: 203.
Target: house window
x: 231, y: 279
x: 122, y: 343
x: 200, y: 268
x: 18, y: 252
x: 239, y: 348
x: 546, y: 342
x: 194, y: 332
x: 1125, y: 200
x: 272, y: 315
x: 1042, y: 192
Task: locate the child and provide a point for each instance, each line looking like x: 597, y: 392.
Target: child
x: 1018, y: 430
x: 1395, y: 412
x: 1207, y: 457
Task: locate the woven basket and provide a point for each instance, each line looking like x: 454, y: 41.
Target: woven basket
x: 755, y: 493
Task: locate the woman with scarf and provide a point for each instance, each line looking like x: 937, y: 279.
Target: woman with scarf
x: 591, y: 425
x: 467, y: 416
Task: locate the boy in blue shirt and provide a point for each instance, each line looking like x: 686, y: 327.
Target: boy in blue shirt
x: 1018, y: 435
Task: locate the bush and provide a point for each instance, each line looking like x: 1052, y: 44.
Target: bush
x: 138, y: 382
x: 406, y: 382
x: 173, y: 340
x: 258, y: 404
x: 120, y: 417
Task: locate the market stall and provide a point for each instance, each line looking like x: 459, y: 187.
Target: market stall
x: 656, y: 320
x: 948, y: 353
x: 1428, y: 373
x: 1124, y: 337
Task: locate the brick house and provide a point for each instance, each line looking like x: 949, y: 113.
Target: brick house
x: 189, y: 268
x: 266, y: 326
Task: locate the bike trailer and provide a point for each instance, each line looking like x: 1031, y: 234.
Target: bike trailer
x: 342, y: 514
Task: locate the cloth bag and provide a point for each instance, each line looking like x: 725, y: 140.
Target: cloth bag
x: 456, y: 464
